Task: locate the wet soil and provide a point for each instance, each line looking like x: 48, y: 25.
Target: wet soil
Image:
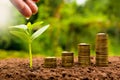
x: 18, y: 69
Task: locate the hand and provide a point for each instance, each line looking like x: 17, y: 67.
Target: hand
x: 26, y: 7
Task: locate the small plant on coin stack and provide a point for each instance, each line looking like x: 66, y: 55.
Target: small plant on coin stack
x: 25, y: 32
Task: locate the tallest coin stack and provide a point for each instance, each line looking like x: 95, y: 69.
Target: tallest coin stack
x: 101, y: 49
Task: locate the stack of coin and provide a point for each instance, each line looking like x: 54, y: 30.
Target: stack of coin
x: 101, y: 50
x: 67, y: 59
x: 84, y: 54
x: 50, y: 62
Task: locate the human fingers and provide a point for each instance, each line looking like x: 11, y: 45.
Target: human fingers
x: 32, y: 6
x: 26, y: 11
x: 19, y: 4
x: 22, y: 7
x: 35, y: 0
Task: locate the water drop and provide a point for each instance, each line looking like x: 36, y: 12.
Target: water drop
x: 27, y: 18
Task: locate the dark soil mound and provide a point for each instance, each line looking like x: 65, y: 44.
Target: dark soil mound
x: 18, y: 69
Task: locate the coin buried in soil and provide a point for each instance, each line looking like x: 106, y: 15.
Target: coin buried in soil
x: 101, y: 48
x: 50, y: 62
x: 84, y: 54
x: 67, y: 59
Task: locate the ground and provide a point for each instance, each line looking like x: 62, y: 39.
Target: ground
x: 18, y: 69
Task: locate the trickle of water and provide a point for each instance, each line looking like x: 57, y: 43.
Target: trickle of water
x: 27, y: 18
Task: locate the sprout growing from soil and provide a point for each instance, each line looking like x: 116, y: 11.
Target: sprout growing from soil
x: 25, y: 32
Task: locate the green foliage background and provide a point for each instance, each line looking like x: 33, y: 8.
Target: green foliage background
x: 71, y: 24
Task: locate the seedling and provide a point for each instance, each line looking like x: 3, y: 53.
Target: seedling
x: 25, y: 32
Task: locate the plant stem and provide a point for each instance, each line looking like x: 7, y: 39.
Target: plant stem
x: 30, y: 53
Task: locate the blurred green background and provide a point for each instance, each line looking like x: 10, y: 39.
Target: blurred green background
x: 72, y: 22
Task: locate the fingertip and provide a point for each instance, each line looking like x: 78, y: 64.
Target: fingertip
x: 36, y: 10
x: 26, y: 11
x: 32, y: 6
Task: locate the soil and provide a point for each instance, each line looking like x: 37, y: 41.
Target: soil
x: 18, y: 69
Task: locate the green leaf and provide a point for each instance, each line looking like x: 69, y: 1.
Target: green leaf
x: 29, y: 25
x: 36, y: 24
x: 16, y: 29
x: 19, y: 28
x: 39, y: 32
x: 24, y: 27
x: 21, y: 35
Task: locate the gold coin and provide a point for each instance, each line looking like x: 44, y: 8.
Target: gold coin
x: 66, y: 53
x: 67, y: 59
x: 83, y: 49
x: 50, y: 62
x: 67, y: 64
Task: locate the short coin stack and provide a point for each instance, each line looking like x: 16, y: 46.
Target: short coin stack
x: 84, y: 54
x: 67, y: 59
x: 50, y: 62
x: 101, y: 50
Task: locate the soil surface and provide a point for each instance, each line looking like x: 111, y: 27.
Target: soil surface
x: 18, y: 69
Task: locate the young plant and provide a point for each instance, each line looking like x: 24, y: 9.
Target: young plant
x: 25, y: 32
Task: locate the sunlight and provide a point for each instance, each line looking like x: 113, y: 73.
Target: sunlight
x: 5, y: 13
